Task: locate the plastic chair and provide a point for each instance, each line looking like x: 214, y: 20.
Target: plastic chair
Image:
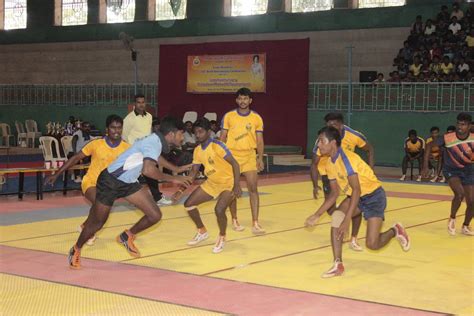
x: 32, y: 132
x: 190, y: 116
x: 6, y: 134
x: 66, y: 142
x: 47, y: 144
x: 21, y: 133
x: 211, y: 116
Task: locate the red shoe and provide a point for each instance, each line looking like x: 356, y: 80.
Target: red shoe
x: 402, y: 236
x: 336, y: 270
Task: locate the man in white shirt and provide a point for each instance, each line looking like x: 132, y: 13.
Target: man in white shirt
x: 454, y: 26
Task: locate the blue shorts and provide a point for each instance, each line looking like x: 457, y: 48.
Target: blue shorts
x: 466, y: 174
x: 373, y: 204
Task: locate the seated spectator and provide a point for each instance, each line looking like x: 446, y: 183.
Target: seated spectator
x: 469, y: 16
x: 470, y: 39
x: 215, y: 130
x: 436, y: 51
x: 394, y: 77
x: 457, y: 13
x: 425, y: 68
x: 406, y: 52
x: 189, y: 142
x: 415, y: 68
x: 380, y: 78
x: 417, y: 27
x: 430, y: 28
x: 414, y: 147
x: 435, y: 155
x: 402, y: 68
x: 443, y: 15
x: 454, y: 26
x: 462, y: 68
x: 81, y: 137
x: 446, y: 67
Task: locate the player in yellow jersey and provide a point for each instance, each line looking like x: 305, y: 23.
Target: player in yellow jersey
x: 414, y: 149
x: 350, y: 174
x: 435, y: 155
x: 223, y: 182
x: 242, y: 131
x: 350, y: 140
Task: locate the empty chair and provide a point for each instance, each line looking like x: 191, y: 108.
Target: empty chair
x: 32, y: 132
x: 21, y: 133
x: 50, y: 148
x: 211, y: 116
x: 6, y: 134
x: 190, y: 116
x: 66, y: 142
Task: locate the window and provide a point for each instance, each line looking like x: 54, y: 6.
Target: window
x: 248, y: 7
x: 163, y: 10
x: 120, y: 11
x: 14, y: 14
x: 73, y: 12
x: 380, y: 3
x: 310, y: 5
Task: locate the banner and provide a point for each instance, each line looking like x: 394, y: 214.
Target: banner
x: 226, y: 73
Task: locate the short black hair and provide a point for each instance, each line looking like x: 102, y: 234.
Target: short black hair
x: 203, y: 123
x: 332, y: 134
x: 244, y: 91
x: 258, y: 57
x: 451, y: 128
x: 170, y: 124
x: 412, y: 132
x: 213, y: 122
x: 113, y: 118
x: 434, y: 128
x: 465, y: 117
x: 139, y: 95
x: 334, y: 116
x: 155, y: 121
x: 188, y: 122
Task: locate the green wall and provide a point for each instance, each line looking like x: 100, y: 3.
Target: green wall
x: 204, y: 21
x: 386, y: 131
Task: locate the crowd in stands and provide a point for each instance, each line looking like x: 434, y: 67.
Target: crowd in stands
x: 440, y: 49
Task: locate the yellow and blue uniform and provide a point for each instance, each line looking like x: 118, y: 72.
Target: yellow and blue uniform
x: 102, y: 153
x: 219, y: 173
x: 350, y: 139
x: 372, y: 196
x: 242, y: 137
x: 416, y: 147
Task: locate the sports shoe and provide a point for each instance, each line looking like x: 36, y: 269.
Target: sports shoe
x: 466, y: 230
x: 434, y: 179
x: 126, y: 239
x: 452, y: 226
x: 236, y: 225
x: 257, y: 229
x: 354, y: 245
x: 219, y: 246
x: 91, y: 240
x: 198, y: 238
x: 164, y: 201
x: 336, y: 270
x: 402, y: 236
x: 443, y: 179
x: 403, y: 178
x: 74, y: 258
x: 418, y: 179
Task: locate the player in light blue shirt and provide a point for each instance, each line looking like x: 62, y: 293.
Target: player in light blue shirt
x: 119, y: 180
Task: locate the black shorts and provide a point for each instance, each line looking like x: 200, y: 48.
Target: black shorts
x: 326, y: 187
x: 466, y: 174
x: 109, y: 188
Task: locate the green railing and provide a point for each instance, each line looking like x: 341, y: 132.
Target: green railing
x: 75, y: 95
x: 413, y: 97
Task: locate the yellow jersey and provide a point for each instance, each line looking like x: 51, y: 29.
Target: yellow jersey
x: 211, y: 155
x: 242, y: 130
x: 350, y: 140
x: 102, y: 153
x: 435, y: 150
x: 347, y: 163
x: 416, y: 147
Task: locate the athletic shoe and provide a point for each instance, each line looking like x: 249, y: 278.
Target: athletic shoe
x: 74, y: 258
x: 91, y: 240
x: 336, y: 270
x: 418, y: 179
x: 466, y: 230
x: 443, y: 179
x: 219, y: 246
x: 164, y: 201
x: 402, y: 236
x: 403, y: 178
x: 236, y: 225
x: 434, y: 179
x: 452, y: 226
x: 257, y: 229
x: 354, y: 245
x: 126, y: 239
x: 198, y: 238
